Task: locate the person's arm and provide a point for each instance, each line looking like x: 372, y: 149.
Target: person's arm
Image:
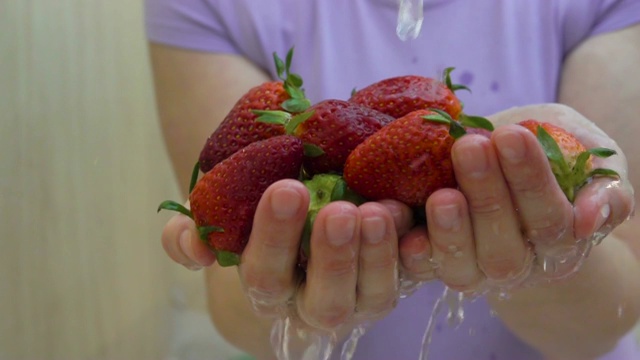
x: 585, y: 316
x: 600, y: 80
x: 194, y: 92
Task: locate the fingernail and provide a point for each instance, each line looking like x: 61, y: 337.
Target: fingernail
x: 193, y: 267
x: 185, y: 246
x: 373, y: 229
x: 285, y: 203
x: 448, y: 217
x: 471, y: 158
x: 511, y: 146
x: 340, y: 228
x: 603, y: 215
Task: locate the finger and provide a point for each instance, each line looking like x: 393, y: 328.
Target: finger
x: 328, y: 297
x: 601, y: 206
x: 182, y: 244
x: 415, y: 256
x: 500, y: 249
x: 377, y: 286
x: 402, y: 216
x: 545, y: 211
x: 452, y: 241
x: 268, y: 266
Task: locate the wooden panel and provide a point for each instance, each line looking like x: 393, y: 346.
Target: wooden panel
x: 82, y: 168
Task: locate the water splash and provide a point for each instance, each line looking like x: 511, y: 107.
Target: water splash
x: 290, y: 341
x: 410, y: 17
x: 455, y: 316
x: 349, y: 347
x: 561, y: 262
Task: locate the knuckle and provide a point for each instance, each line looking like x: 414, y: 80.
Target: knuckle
x: 338, y: 267
x: 332, y: 315
x: 378, y: 263
x: 264, y: 286
x: 486, y: 205
x: 530, y: 187
x: 550, y: 228
x: 500, y: 268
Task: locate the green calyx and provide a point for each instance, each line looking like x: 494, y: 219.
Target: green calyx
x: 324, y: 189
x: 446, y: 79
x: 227, y: 258
x: 570, y: 177
x: 298, y: 102
x: 290, y: 123
x: 456, y: 128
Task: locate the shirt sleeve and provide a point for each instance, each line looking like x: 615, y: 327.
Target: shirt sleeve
x: 190, y: 24
x: 585, y: 19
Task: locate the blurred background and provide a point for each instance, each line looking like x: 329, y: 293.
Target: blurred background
x: 82, y: 170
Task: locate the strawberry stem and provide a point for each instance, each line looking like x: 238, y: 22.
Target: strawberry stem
x: 194, y: 176
x: 455, y: 129
x: 204, y: 231
x: 227, y: 258
x: 446, y: 78
x: 174, y: 206
x: 292, y: 84
x: 476, y: 122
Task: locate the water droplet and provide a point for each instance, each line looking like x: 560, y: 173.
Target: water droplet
x: 472, y: 331
x: 504, y: 294
x: 620, y: 311
x: 458, y: 254
x: 349, y: 347
x: 410, y: 17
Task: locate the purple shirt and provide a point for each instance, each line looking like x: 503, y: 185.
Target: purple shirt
x: 509, y: 52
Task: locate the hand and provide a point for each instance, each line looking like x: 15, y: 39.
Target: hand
x: 510, y: 224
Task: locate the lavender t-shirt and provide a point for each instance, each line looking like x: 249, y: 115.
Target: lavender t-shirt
x: 509, y: 52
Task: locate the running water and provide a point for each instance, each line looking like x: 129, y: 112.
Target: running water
x: 455, y: 316
x: 410, y: 17
x: 291, y: 342
x: 350, y: 346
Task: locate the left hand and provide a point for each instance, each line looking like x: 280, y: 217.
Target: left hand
x: 509, y: 223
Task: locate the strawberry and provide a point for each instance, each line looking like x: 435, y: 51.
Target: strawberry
x: 401, y: 95
x: 239, y: 128
x: 406, y: 160
x: 330, y: 130
x: 224, y: 200
x: 570, y: 161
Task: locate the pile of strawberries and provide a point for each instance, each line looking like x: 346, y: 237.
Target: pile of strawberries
x: 390, y: 140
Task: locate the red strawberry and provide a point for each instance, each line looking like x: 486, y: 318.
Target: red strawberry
x: 401, y: 95
x: 239, y: 128
x: 330, y: 130
x: 569, y: 159
x: 224, y: 200
x: 406, y: 160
